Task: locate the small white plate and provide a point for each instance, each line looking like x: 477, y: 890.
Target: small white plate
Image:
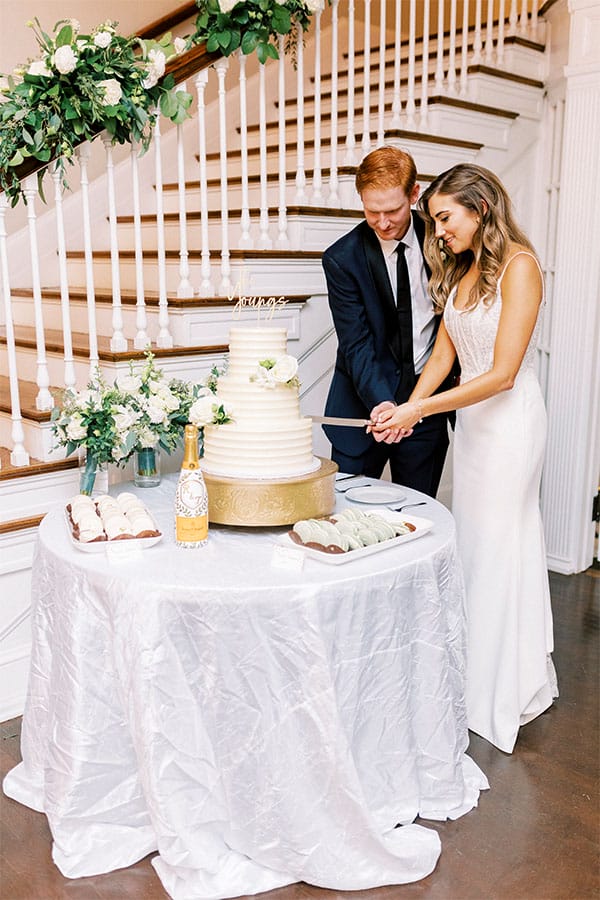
x: 422, y: 526
x: 376, y: 493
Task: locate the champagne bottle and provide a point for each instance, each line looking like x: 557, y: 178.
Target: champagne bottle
x: 191, y: 499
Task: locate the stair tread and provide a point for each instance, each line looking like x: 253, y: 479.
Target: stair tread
x: 28, y: 391
x: 151, y: 298
x: 197, y: 254
x: 35, y: 467
x: 25, y: 337
x: 194, y: 215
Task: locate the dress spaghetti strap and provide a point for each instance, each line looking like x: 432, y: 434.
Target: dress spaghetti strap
x: 514, y: 256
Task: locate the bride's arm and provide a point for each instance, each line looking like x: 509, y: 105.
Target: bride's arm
x: 521, y: 296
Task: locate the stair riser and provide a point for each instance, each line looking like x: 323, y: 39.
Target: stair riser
x: 39, y: 440
x: 510, y: 95
x: 189, y: 367
x: 33, y: 495
x: 303, y: 232
x: 260, y: 277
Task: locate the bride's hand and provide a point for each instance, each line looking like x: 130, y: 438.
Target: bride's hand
x: 394, y: 424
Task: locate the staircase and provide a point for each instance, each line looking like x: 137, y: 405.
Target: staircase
x: 234, y: 211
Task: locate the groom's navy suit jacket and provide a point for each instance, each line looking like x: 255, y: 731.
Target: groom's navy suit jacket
x: 368, y: 367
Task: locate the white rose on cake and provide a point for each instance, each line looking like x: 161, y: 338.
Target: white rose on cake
x: 285, y: 369
x: 209, y: 409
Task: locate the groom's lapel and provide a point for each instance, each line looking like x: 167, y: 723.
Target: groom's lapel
x: 379, y: 275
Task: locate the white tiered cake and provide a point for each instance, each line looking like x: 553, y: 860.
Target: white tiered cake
x: 268, y: 438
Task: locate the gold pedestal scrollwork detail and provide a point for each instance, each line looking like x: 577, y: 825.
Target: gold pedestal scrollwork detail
x: 245, y: 501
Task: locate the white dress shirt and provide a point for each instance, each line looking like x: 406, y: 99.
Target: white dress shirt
x: 423, y: 316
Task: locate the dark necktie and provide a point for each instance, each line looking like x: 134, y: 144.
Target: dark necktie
x: 404, y: 312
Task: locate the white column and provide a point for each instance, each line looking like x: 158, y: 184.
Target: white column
x: 118, y: 342
x: 184, y: 288
x: 206, y: 288
x: 164, y: 338
x: 69, y: 371
x: 573, y: 453
x: 83, y: 155
x: 282, y: 235
x: 141, y: 340
x: 221, y: 66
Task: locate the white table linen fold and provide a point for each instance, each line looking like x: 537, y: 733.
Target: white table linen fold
x: 256, y: 725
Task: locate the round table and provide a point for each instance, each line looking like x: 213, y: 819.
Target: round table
x: 257, y: 718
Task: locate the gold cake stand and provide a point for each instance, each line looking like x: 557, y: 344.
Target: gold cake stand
x: 283, y: 501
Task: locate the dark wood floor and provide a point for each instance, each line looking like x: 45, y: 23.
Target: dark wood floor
x: 534, y: 835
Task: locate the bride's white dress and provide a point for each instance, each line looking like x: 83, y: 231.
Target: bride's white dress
x: 498, y: 454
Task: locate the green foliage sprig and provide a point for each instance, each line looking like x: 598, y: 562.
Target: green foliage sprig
x: 79, y: 85
x: 250, y: 25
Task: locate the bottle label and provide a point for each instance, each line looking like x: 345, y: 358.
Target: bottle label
x: 191, y: 498
x: 191, y: 529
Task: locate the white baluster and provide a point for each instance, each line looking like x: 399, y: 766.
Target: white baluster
x: 117, y: 341
x: 317, y: 192
x: 141, y: 340
x: 534, y: 20
x: 83, y: 154
x: 451, y: 74
x: 439, y: 64
x: 396, y: 99
x: 333, y: 198
x: 221, y: 66
x: 411, y: 108
x: 381, y: 86
x: 206, y: 288
x: 245, y: 239
x: 366, y: 135
x: 523, y: 21
x: 464, y: 50
x: 500, y: 34
x: 489, y: 33
x: 300, y: 196
x: 425, y: 69
x: 184, y: 288
x: 282, y: 237
x: 19, y: 455
x: 477, y: 45
x: 264, y: 241
x: 69, y: 373
x: 350, y: 155
x: 44, y: 399
x: 164, y: 338
x: 513, y: 18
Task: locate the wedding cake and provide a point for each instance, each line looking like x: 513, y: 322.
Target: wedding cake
x: 268, y: 438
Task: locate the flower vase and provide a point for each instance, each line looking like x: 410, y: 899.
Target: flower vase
x: 93, y: 475
x: 146, y: 467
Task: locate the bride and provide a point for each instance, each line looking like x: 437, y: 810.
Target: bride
x: 487, y: 280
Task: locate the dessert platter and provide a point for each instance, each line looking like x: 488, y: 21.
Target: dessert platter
x: 260, y: 469
x: 102, y: 521
x: 353, y: 534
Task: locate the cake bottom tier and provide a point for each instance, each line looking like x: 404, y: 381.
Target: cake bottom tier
x: 252, y: 502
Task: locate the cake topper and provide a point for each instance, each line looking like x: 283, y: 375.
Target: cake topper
x: 264, y: 305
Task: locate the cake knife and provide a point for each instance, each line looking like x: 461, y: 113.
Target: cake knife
x: 335, y: 420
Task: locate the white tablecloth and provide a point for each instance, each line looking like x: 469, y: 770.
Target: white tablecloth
x: 256, y: 725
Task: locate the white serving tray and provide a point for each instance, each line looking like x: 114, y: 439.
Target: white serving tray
x: 128, y: 544
x: 422, y: 526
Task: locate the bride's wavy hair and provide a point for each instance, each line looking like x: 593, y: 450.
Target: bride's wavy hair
x: 480, y: 191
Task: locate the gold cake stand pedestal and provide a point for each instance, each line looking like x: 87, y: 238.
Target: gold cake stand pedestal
x: 283, y: 501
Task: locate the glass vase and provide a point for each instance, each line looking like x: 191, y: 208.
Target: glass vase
x: 146, y: 467
x: 93, y: 475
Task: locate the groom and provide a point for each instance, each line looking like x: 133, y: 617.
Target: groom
x: 385, y: 324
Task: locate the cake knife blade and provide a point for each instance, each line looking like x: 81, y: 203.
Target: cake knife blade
x: 335, y: 420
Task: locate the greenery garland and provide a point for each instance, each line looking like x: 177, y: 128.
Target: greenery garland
x: 250, y: 25
x: 79, y: 85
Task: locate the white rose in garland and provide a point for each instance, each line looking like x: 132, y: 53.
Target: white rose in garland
x: 112, y: 91
x: 65, y: 59
x: 102, y: 39
x: 39, y: 67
